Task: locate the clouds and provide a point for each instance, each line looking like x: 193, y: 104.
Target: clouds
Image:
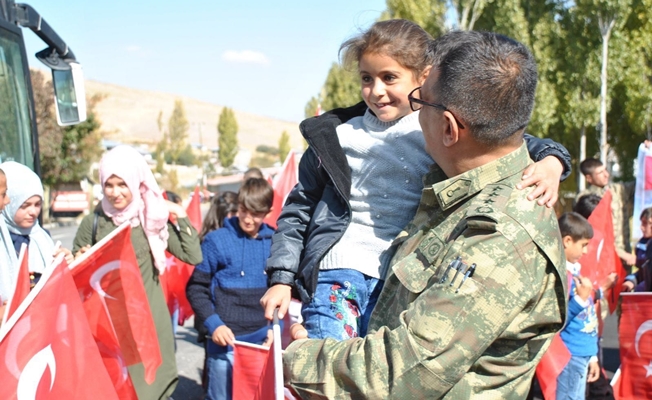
x: 245, y: 56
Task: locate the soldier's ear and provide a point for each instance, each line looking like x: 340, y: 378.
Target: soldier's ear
x: 452, y: 130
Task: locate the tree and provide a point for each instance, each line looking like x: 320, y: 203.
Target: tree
x: 429, y: 14
x: 177, y: 132
x: 284, y: 146
x: 313, y: 107
x: 341, y: 89
x: 227, y: 128
x: 66, y: 153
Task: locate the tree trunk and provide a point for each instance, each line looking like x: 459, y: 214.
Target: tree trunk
x: 605, y: 30
x: 581, y: 180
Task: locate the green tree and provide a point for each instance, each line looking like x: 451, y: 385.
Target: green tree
x: 429, y: 14
x: 312, y: 107
x: 227, y: 128
x: 341, y: 89
x: 177, y: 132
x: 66, y: 153
x: 284, y: 146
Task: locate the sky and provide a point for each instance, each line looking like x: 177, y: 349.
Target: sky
x: 263, y: 57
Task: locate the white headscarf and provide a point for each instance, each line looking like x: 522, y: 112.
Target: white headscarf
x: 8, y: 263
x: 23, y: 183
x: 147, y: 208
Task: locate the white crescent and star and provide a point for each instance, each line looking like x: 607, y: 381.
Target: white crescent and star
x: 97, y: 276
x: 33, y: 372
x: 644, y: 327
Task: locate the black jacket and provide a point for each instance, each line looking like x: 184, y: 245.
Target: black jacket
x: 317, y: 211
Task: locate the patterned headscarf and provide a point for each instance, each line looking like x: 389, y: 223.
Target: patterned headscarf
x: 147, y: 207
x: 22, y: 184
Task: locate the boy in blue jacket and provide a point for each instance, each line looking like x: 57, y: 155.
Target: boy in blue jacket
x: 580, y: 335
x: 224, y: 290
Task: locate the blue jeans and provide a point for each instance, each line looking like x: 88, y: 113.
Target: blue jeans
x: 219, y: 373
x: 571, y: 382
x: 342, y: 304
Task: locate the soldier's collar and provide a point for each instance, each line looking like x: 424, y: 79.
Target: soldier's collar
x: 451, y: 191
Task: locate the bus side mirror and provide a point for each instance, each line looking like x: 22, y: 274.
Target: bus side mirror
x: 69, y: 94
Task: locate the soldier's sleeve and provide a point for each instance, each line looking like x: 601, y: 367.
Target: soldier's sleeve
x: 441, y: 334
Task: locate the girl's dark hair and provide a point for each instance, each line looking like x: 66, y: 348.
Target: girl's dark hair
x: 402, y: 40
x: 221, y: 206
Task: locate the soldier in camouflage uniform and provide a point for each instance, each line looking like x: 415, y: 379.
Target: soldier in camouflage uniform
x: 622, y: 203
x: 476, y: 289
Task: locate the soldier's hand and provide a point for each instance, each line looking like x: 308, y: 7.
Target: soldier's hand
x: 594, y: 372
x: 223, y: 336
x: 584, y: 287
x: 297, y: 331
x: 544, y: 175
x: 278, y: 296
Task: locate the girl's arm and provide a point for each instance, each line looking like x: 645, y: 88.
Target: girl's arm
x: 184, y: 243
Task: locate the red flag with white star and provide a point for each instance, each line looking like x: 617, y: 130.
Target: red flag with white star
x: 46, y: 347
x: 635, y: 381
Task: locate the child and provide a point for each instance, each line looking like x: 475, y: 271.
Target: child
x: 8, y: 265
x: 359, y: 185
x: 581, y: 331
x: 222, y: 207
x: 641, y: 280
x: 224, y: 289
x: 21, y: 219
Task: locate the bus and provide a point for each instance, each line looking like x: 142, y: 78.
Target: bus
x: 18, y: 131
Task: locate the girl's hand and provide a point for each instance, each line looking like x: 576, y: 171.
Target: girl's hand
x: 82, y: 251
x: 176, y: 209
x: 67, y: 254
x: 544, y: 175
x: 278, y: 296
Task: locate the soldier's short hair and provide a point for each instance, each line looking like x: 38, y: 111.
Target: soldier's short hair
x: 256, y: 195
x: 589, y: 165
x: 576, y: 226
x: 488, y: 80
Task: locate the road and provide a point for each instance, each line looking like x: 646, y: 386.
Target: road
x: 190, y: 353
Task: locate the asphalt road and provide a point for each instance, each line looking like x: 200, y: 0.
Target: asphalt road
x: 190, y: 354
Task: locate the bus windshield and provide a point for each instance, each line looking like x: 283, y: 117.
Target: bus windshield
x: 15, y: 125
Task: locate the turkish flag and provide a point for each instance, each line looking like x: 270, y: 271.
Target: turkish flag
x: 46, y: 347
x: 284, y: 182
x: 111, y: 287
x: 248, y: 365
x: 22, y: 284
x: 554, y: 361
x: 602, y: 259
x: 177, y: 272
x: 177, y: 276
x: 635, y: 381
x: 194, y: 209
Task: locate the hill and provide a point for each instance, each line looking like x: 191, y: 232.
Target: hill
x: 130, y: 115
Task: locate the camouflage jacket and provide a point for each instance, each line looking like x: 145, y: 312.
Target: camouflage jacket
x: 480, y: 337
x: 622, y: 204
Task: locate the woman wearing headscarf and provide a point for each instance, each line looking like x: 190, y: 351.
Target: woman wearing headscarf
x: 132, y: 194
x: 7, y: 263
x: 20, y: 217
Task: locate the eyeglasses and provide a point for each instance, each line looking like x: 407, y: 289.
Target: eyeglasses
x: 416, y: 104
